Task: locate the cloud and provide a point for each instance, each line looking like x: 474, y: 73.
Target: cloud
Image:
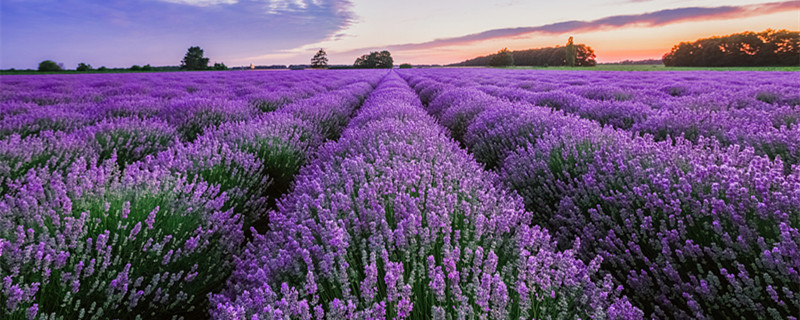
x: 122, y: 33
x: 651, y: 19
x: 202, y: 3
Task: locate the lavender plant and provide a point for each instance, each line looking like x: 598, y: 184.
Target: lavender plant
x: 395, y: 221
x: 130, y: 139
x: 238, y: 174
x: 98, y: 245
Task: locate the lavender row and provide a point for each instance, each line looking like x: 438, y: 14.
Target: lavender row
x: 134, y: 136
x: 29, y: 105
x: 396, y: 221
x: 154, y: 240
x: 691, y: 231
x: 761, y: 113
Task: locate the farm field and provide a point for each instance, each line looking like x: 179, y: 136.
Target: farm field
x: 452, y: 193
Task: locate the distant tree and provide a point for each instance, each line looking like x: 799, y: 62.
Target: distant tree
x: 147, y: 67
x: 405, y: 66
x: 84, y: 67
x: 502, y: 58
x: 102, y: 68
x: 550, y: 56
x: 375, y: 60
x: 320, y: 60
x: 194, y: 60
x: 136, y: 68
x: 767, y: 48
x: 584, y: 56
x: 220, y: 66
x: 571, y: 52
x: 49, y: 66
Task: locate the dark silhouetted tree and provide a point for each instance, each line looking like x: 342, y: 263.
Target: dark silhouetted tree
x: 405, y: 66
x: 375, y: 60
x: 502, y: 58
x: 220, y: 66
x: 147, y: 67
x: 584, y: 56
x: 768, y: 48
x: 49, y: 66
x: 551, y: 56
x: 84, y: 67
x: 194, y: 60
x: 320, y: 60
x: 136, y: 67
x: 570, y: 53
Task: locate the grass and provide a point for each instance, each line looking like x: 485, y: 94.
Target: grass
x: 659, y: 67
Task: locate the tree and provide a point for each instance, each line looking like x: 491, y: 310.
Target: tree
x: 49, y: 66
x: 136, y: 67
x: 570, y: 52
x: 375, y: 60
x: 405, y: 66
x: 194, y: 60
x: 147, y: 67
x: 550, y: 56
x: 767, y: 48
x: 502, y: 58
x: 220, y: 66
x: 84, y: 67
x: 584, y: 56
x: 320, y: 60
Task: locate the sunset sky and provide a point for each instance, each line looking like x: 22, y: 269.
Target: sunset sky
x: 117, y: 33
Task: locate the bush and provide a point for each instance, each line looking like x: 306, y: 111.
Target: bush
x: 49, y: 66
x: 280, y: 141
x: 220, y: 66
x: 56, y: 151
x: 148, y: 245
x: 240, y: 175
x: 396, y: 221
x: 330, y: 112
x: 46, y: 118
x: 128, y: 139
x: 193, y: 115
x: 502, y: 129
x: 83, y: 67
x: 689, y: 248
x: 405, y: 66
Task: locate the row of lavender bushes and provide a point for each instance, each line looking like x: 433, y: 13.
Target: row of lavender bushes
x: 65, y: 103
x: 132, y: 110
x: 395, y: 221
x: 760, y: 110
x: 137, y: 228
x: 691, y: 229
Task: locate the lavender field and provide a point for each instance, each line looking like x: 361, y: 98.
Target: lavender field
x: 400, y: 194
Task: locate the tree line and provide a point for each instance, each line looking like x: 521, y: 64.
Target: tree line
x: 746, y: 49
x: 578, y: 55
x: 194, y: 59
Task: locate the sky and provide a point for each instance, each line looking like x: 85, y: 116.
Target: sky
x: 121, y: 33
